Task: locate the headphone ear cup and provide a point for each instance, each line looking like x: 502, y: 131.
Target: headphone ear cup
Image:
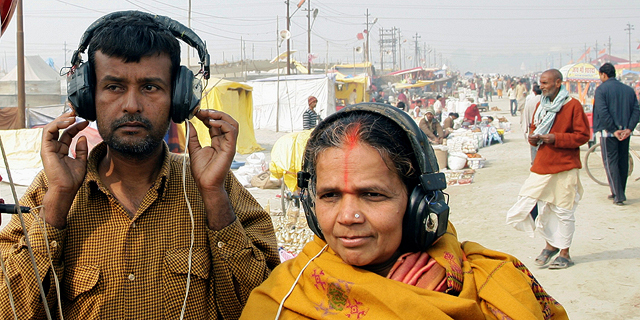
x: 412, y: 230
x: 309, y: 206
x: 186, y: 95
x: 80, y: 92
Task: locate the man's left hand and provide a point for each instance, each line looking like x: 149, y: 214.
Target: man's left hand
x: 549, y: 138
x: 622, y: 134
x: 210, y: 165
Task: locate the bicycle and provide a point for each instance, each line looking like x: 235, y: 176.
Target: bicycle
x: 594, y: 165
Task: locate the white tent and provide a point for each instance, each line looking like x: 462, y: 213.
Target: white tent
x: 294, y: 92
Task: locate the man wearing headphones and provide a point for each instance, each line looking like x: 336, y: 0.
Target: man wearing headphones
x: 384, y: 249
x: 130, y: 234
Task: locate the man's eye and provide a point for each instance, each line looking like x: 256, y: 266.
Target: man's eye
x: 150, y: 87
x: 113, y: 87
x: 328, y: 195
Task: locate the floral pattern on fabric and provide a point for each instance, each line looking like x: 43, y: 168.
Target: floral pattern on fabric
x: 337, y: 300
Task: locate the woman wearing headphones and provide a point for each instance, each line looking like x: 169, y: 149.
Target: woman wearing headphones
x: 384, y: 249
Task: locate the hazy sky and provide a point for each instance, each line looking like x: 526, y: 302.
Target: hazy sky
x: 478, y: 36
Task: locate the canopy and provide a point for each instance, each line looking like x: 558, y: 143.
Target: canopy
x: 419, y: 84
x: 580, y: 72
x: 235, y: 99
x: 417, y: 69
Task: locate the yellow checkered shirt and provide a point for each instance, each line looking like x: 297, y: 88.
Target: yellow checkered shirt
x: 111, y: 266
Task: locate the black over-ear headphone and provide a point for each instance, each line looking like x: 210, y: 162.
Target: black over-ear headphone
x: 427, y: 215
x: 187, y: 90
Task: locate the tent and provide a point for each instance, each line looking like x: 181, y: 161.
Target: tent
x: 346, y: 84
x: 285, y: 114
x: 43, y: 85
x: 235, y: 99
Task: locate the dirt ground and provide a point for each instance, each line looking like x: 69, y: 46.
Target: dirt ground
x: 603, y: 284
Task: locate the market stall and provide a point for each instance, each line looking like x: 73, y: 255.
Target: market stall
x: 581, y: 80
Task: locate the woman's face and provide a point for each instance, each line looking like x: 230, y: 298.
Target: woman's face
x: 360, y: 204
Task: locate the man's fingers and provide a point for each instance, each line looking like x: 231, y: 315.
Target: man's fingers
x: 82, y: 149
x: 203, y: 115
x: 194, y: 144
x: 72, y: 131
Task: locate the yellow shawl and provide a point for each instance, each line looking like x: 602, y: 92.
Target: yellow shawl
x: 482, y: 284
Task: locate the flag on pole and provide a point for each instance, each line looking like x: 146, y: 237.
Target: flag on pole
x: 638, y: 47
x: 603, y: 51
x: 360, y: 36
x: 300, y: 3
x: 588, y: 50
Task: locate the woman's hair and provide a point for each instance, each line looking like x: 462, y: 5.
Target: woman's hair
x: 381, y: 133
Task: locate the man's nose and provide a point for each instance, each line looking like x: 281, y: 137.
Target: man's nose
x: 131, y: 103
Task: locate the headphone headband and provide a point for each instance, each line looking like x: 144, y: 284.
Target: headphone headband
x: 419, y: 142
x: 176, y: 28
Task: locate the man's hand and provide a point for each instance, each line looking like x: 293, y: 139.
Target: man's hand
x: 549, y: 138
x: 534, y: 138
x: 622, y: 134
x: 210, y: 165
x: 65, y: 174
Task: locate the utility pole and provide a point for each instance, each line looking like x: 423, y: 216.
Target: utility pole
x: 309, y: 36
x: 424, y: 54
x: 21, y: 87
x: 366, y: 52
x: 400, y: 50
x: 288, y: 40
x: 609, y: 48
x: 416, y: 57
x: 629, y: 29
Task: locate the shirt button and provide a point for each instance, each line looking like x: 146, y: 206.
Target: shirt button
x: 132, y: 277
x: 54, y: 244
x: 220, y: 244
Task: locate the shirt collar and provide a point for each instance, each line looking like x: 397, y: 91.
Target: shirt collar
x: 100, y: 151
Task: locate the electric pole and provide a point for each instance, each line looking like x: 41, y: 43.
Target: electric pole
x: 366, y: 52
x: 309, y: 36
x: 629, y: 29
x: 22, y: 99
x: 416, y: 56
x: 288, y: 40
x: 609, y: 49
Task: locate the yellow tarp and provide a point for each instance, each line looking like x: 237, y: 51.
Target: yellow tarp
x: 359, y: 83
x: 235, y: 99
x: 286, y: 157
x: 420, y: 83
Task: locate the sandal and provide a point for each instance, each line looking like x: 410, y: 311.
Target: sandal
x: 546, y: 256
x: 561, y: 263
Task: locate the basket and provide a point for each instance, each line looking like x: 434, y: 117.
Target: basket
x: 476, y: 163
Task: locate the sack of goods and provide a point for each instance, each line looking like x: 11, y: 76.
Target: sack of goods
x: 457, y: 160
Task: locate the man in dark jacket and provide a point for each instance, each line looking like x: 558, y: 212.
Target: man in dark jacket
x: 616, y: 113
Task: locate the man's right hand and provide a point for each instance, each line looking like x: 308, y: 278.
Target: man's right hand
x: 65, y: 174
x: 533, y: 139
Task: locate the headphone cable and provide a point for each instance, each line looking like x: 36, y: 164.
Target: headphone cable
x: 184, y: 188
x: 297, y: 279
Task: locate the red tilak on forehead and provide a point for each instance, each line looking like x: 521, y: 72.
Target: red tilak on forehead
x: 351, y: 139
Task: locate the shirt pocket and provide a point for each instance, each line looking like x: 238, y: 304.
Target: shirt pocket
x: 81, y: 279
x: 176, y: 268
